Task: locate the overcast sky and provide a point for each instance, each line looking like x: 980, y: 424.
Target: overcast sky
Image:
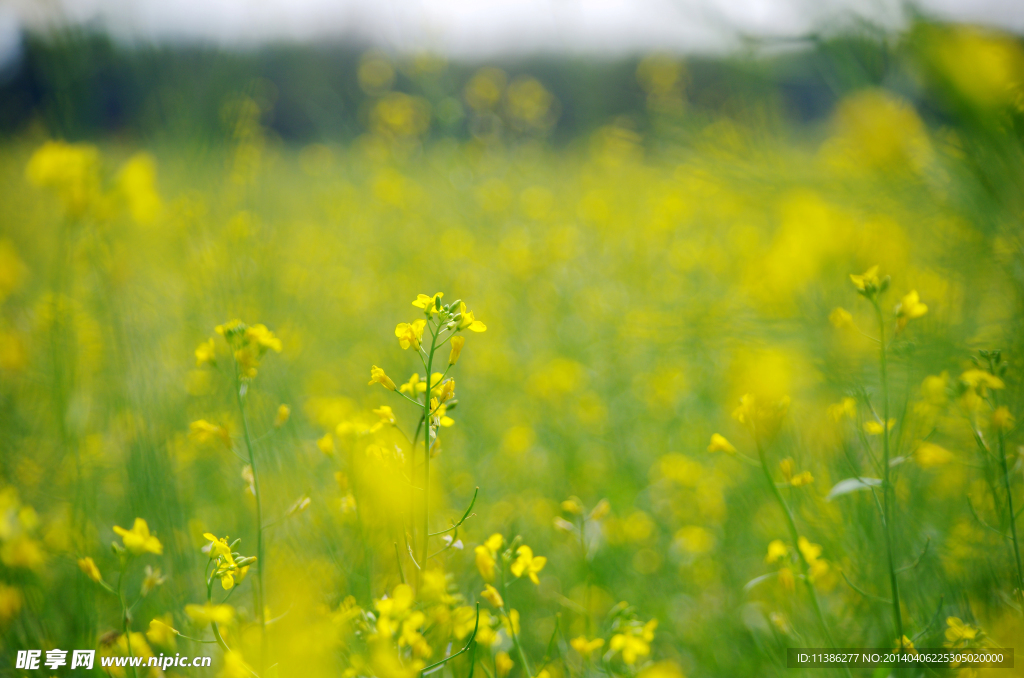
x: 484, y: 27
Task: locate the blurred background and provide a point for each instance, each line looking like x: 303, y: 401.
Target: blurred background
x: 654, y: 207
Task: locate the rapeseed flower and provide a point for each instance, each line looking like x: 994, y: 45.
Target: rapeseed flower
x: 138, y: 540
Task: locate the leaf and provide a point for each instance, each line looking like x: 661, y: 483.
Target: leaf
x: 757, y: 580
x: 851, y: 485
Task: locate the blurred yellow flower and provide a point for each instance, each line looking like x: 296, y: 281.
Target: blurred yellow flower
x: 910, y: 306
x: 847, y: 407
x: 203, y: 432
x: 377, y: 376
x: 928, y: 455
x: 326, y: 444
x: 205, y: 353
x: 209, y: 613
x: 70, y: 170
x: 777, y: 550
x: 283, y: 414
x: 867, y: 280
x: 491, y: 595
x: 875, y: 428
x: 584, y: 646
x: 760, y: 416
x: 88, y: 566
x: 138, y: 540
x: 526, y: 563
x: 958, y: 632
x: 720, y: 444
x: 1002, y: 420
x: 980, y: 380
x: 840, y: 318
x: 235, y: 666
x: 503, y: 664
x: 161, y: 632
x: 634, y: 642
x: 486, y: 554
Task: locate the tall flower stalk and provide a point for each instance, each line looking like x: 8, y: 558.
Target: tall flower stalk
x: 871, y: 287
x: 434, y: 395
x: 248, y: 344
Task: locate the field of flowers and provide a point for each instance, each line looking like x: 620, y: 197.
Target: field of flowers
x: 698, y: 392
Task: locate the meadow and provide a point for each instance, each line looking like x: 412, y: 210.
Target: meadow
x: 703, y: 388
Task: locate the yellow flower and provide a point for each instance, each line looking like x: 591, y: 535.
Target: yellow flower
x: 720, y: 444
x: 847, y: 407
x: 438, y: 416
x: 387, y: 416
x: 469, y: 321
x: 905, y: 643
x: 760, y: 416
x: 262, y: 337
x: 573, y: 505
x: 584, y: 646
x: 840, y: 318
x: 428, y: 304
x: 634, y: 642
x: 958, y: 632
x: 928, y: 455
x: 410, y: 334
x: 491, y: 595
x: 503, y: 664
x: 208, y: 613
x: 485, y: 556
x: 152, y: 579
x: 203, y: 432
x: 875, y: 428
x: 811, y: 553
x: 1002, y: 420
x: 398, y: 604
x: 414, y: 386
x: 161, y: 633
x: 511, y: 623
x: 910, y: 307
x: 88, y: 566
x: 70, y: 170
x: 794, y: 479
x: 777, y: 550
x: 527, y: 564
x: 138, y: 540
x: 980, y: 380
x: 217, y: 547
x: 283, y: 414
x: 457, y: 343
x: 866, y: 281
x: 377, y: 376
x: 205, y: 353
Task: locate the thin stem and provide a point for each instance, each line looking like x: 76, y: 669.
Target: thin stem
x: 426, y: 451
x: 124, y: 614
x: 511, y: 626
x: 888, y: 498
x: 1009, y: 504
x: 260, y: 558
x: 472, y: 638
x: 795, y: 537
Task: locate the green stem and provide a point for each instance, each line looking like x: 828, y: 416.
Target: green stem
x: 124, y: 614
x: 260, y: 558
x: 888, y: 498
x: 511, y: 627
x: 426, y: 451
x: 794, y: 535
x: 1013, y: 516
